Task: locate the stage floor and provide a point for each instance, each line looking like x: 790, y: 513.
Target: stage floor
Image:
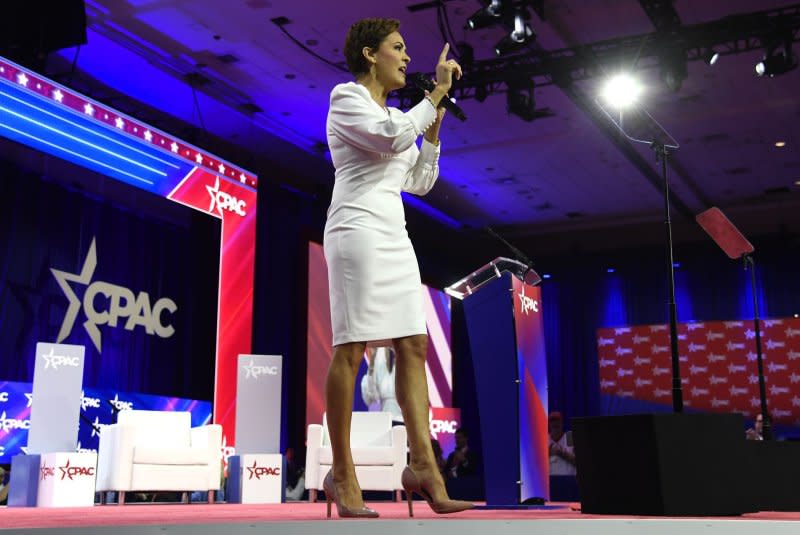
x: 305, y: 518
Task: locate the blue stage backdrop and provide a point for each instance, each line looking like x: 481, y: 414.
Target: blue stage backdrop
x: 131, y: 276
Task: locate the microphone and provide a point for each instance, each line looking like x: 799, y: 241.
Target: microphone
x: 421, y: 81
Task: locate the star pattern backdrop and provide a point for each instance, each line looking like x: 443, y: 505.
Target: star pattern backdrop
x: 718, y: 365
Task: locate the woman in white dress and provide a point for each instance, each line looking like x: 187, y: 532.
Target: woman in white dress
x: 375, y: 288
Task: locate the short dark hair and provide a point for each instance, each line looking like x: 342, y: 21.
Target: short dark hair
x: 366, y: 33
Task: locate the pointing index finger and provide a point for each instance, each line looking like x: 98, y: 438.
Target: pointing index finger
x: 443, y: 55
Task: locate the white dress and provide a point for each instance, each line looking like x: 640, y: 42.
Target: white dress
x: 373, y: 276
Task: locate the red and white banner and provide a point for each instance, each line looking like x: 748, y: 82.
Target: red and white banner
x: 718, y: 365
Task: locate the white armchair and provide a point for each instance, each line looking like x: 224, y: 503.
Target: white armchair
x: 158, y: 451
x: 379, y: 453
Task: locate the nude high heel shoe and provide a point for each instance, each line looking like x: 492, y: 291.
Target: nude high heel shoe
x: 412, y: 483
x: 343, y: 510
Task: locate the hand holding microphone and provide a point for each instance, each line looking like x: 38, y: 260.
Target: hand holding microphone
x: 437, y: 91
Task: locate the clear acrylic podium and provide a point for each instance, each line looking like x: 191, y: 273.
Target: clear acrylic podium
x: 503, y: 314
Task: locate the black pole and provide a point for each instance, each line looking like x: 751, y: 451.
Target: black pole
x: 677, y: 385
x: 766, y: 430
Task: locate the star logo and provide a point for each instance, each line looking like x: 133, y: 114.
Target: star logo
x: 119, y: 123
x: 148, y: 136
x: 22, y: 79
x: 58, y: 96
x: 252, y: 470
x: 173, y: 147
x: 527, y: 303
x: 88, y: 109
x: 46, y: 471
x: 242, y: 178
x: 65, y: 471
x: 85, y: 277
x: 198, y: 158
x: 29, y: 397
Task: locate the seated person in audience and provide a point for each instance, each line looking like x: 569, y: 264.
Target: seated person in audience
x: 562, y: 454
x: 438, y: 457
x: 755, y: 432
x: 462, y: 462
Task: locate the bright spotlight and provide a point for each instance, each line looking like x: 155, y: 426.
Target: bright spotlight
x: 622, y: 91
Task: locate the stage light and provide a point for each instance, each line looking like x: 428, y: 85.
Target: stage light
x: 547, y: 276
x: 673, y: 68
x: 520, y: 36
x: 610, y: 270
x: 780, y: 144
x: 486, y: 16
x: 778, y: 59
x: 520, y: 99
x: 622, y: 91
x: 710, y: 57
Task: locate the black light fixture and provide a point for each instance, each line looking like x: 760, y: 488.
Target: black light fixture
x: 486, y: 16
x: 673, y: 69
x: 778, y: 59
x: 520, y: 36
x: 520, y: 100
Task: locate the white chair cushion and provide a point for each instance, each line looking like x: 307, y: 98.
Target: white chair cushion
x: 159, y: 428
x: 170, y: 456
x: 365, y: 456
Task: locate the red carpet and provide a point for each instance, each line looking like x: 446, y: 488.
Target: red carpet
x: 170, y: 514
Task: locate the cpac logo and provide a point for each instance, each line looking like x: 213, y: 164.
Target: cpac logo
x: 657, y: 328
x: 794, y: 355
x: 794, y: 378
x: 732, y: 324
x: 120, y: 405
x: 779, y: 413
x: 606, y: 362
x: 715, y: 358
x: 752, y: 357
x: 714, y: 336
x: 625, y: 393
x: 660, y: 393
x: 97, y: 427
x: 604, y: 341
x: 622, y: 330
x: 259, y: 471
x: 714, y: 380
x: 80, y: 449
x: 683, y: 359
x: 737, y: 368
x: 720, y: 402
x: 526, y: 303
x: 224, y: 201
x: 442, y: 426
x: 252, y: 371
x: 226, y: 450
x: 54, y: 361
x: 755, y: 402
x: 658, y: 349
x: 749, y: 334
x: 795, y: 401
x: 696, y: 347
x: 659, y: 371
x: 638, y: 361
x: 68, y: 471
x: 681, y: 337
x: 607, y: 384
x: 732, y: 345
x: 695, y: 326
x: 770, y: 323
x: 772, y: 367
x: 623, y: 351
x: 46, y: 471
x: 3, y: 397
x: 640, y: 339
x: 7, y: 424
x: 737, y: 391
x: 698, y: 369
x: 643, y: 382
x: 86, y: 403
x: 122, y: 303
x: 772, y: 344
x: 622, y: 372
x: 696, y: 391
x: 753, y: 379
x: 791, y: 333
x: 775, y: 390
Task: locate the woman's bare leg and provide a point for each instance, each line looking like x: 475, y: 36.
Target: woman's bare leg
x: 339, y: 388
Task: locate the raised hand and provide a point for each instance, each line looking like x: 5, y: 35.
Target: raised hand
x: 446, y: 69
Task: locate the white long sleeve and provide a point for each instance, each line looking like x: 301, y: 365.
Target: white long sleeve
x: 422, y: 176
x: 358, y: 120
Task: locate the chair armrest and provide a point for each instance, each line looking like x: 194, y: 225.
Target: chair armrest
x: 115, y: 457
x: 209, y: 437
x: 399, y: 454
x: 313, y: 444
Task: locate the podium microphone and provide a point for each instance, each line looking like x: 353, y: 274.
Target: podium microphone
x: 421, y: 81
x: 529, y: 276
